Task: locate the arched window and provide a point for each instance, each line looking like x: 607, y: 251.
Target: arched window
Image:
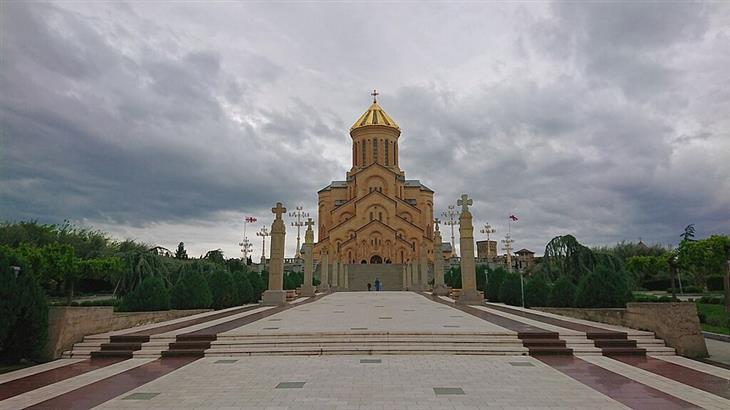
x: 375, y: 150
x: 362, y: 150
x: 387, y: 144
x: 380, y: 216
x: 371, y: 216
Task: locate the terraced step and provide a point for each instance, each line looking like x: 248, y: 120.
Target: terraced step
x: 184, y: 353
x: 543, y: 343
x: 614, y: 343
x: 623, y: 351
x: 129, y: 339
x: 121, y: 346
x: 127, y: 354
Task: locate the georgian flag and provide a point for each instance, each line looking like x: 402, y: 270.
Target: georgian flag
x: 250, y: 219
x: 512, y: 217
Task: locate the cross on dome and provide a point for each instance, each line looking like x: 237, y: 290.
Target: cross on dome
x: 375, y: 95
x: 278, y: 210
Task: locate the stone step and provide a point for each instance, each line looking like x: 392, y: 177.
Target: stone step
x: 551, y: 351
x: 614, y: 343
x: 195, y: 337
x: 121, y: 346
x: 623, y: 351
x: 190, y: 345
x: 184, y: 353
x: 112, y: 353
x: 128, y: 339
x: 530, y: 343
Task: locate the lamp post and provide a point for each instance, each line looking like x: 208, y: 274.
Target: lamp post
x: 452, y: 216
x: 488, y: 230
x: 299, y: 223
x: 263, y: 233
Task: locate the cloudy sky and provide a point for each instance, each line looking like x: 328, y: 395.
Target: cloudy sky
x: 170, y: 122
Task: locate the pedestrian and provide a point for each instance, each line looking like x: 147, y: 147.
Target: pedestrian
x: 377, y: 285
x: 369, y: 286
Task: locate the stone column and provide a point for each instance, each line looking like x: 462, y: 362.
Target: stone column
x: 469, y: 293
x: 276, y: 295
x: 413, y: 273
x: 423, y: 268
x: 307, y: 288
x: 345, y: 276
x: 405, y: 275
x: 335, y: 272
x: 439, y: 287
x: 324, y: 286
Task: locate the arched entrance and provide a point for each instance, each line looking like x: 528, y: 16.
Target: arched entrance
x: 363, y: 261
x: 376, y: 259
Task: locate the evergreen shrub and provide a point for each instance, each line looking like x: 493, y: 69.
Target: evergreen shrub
x: 191, y: 292
x: 602, y: 288
x: 537, y: 292
x: 494, y: 283
x: 223, y: 289
x: 510, y: 291
x: 244, y: 290
x: 562, y: 293
x: 150, y: 295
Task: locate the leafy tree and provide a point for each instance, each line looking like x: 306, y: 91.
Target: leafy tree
x: 150, y: 295
x: 562, y: 293
x: 293, y: 280
x: 645, y: 268
x: 510, y: 291
x: 625, y: 250
x: 494, y: 283
x: 481, y: 277
x: 564, y: 255
x: 180, y: 253
x: 191, y: 292
x: 257, y: 285
x: 223, y: 289
x: 8, y: 293
x: 216, y: 256
x: 689, y: 233
x: 60, y: 266
x: 602, y: 288
x: 537, y: 292
x: 139, y: 265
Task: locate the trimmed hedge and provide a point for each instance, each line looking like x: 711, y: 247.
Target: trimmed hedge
x: 191, y: 292
x: 510, y: 291
x: 150, y: 295
x: 537, y: 292
x: 562, y: 293
x: 257, y: 284
x: 223, y: 289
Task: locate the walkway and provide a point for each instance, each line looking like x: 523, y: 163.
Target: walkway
x: 377, y: 350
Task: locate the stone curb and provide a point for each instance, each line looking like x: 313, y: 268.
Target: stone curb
x: 716, y: 336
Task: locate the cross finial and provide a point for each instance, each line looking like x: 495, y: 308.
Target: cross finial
x: 278, y: 210
x: 436, y: 223
x: 375, y: 95
x: 309, y: 223
x: 464, y: 202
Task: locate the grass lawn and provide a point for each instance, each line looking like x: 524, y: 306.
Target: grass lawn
x: 716, y: 319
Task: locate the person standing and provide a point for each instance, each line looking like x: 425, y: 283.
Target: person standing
x: 369, y: 286
x: 377, y: 285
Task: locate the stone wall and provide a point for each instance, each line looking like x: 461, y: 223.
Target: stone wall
x: 69, y: 324
x: 676, y: 323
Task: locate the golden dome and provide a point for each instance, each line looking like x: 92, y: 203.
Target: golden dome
x: 374, y: 116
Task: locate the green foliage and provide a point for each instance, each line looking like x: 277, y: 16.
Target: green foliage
x: 140, y: 265
x: 715, y: 283
x: 223, y: 289
x: 626, y: 250
x: 510, y: 291
x: 564, y: 255
x: 494, y: 282
x: 562, y: 293
x: 452, y: 277
x: 257, y: 285
x: 244, y: 290
x: 602, y: 288
x: 657, y: 284
x: 646, y: 268
x: 703, y: 258
x: 150, y: 295
x: 180, y: 253
x: 714, y: 318
x: 537, y: 292
x: 23, y: 310
x: 651, y: 298
x: 481, y: 277
x: 216, y: 256
x: 191, y: 292
x: 293, y: 280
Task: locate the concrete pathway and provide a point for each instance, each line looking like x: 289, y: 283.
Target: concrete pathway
x: 398, y: 380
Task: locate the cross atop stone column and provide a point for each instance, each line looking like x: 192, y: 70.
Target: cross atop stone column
x: 278, y: 210
x: 436, y: 223
x: 309, y: 223
x: 464, y: 202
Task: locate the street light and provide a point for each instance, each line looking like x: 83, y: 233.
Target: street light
x: 263, y: 233
x: 488, y: 230
x: 299, y: 214
x: 451, y: 214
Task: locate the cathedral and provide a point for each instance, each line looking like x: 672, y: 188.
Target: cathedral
x: 375, y: 216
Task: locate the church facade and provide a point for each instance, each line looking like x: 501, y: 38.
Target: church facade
x: 375, y: 215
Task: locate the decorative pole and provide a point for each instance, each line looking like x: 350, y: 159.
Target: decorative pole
x: 451, y: 214
x: 299, y: 214
x: 488, y: 230
x: 263, y: 233
x: 246, y: 245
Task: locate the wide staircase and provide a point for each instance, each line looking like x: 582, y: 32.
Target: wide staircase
x: 390, y: 275
x: 366, y: 342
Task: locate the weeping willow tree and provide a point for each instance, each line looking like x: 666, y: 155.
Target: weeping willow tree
x: 565, y: 256
x: 139, y: 265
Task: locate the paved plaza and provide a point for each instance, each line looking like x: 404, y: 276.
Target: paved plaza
x: 376, y: 350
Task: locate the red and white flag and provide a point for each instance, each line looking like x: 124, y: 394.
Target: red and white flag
x: 251, y: 219
x: 512, y: 217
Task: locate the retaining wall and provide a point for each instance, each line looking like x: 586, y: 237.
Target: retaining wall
x: 69, y: 324
x: 676, y: 323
